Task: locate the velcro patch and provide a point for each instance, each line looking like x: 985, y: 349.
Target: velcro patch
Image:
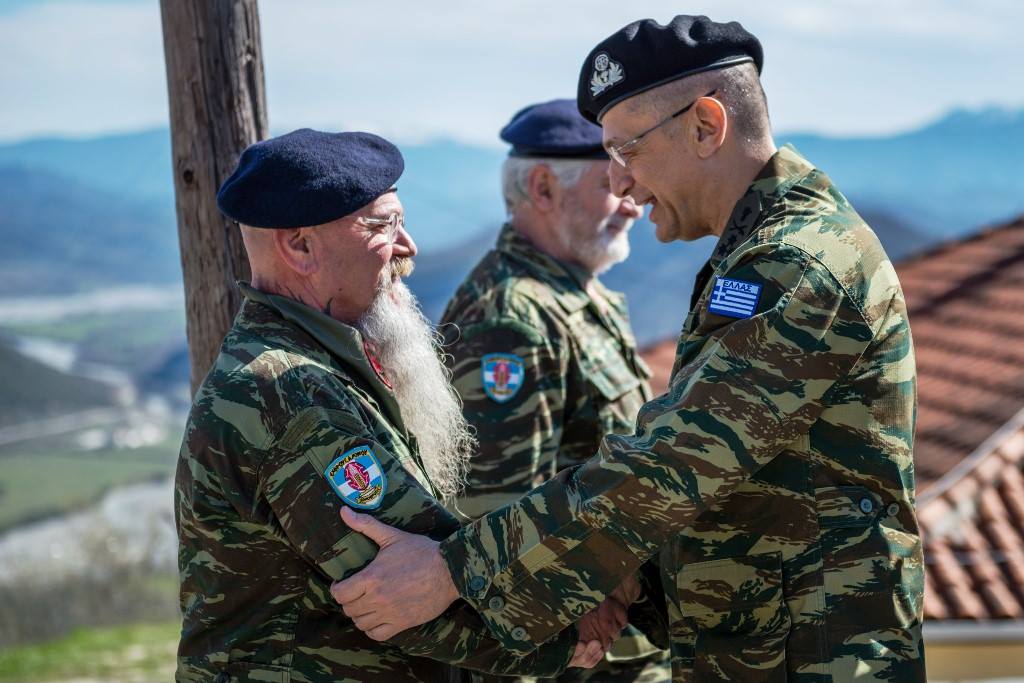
x: 358, y: 478
x: 734, y: 298
x: 502, y: 375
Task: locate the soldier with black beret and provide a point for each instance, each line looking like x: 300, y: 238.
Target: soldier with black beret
x: 774, y: 479
x: 327, y: 393
x: 542, y: 353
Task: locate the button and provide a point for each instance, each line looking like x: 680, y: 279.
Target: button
x: 893, y: 509
x: 519, y: 633
x: 496, y: 603
x: 866, y: 506
x: 477, y: 583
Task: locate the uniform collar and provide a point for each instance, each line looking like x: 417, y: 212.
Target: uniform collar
x: 342, y: 342
x: 784, y: 169
x: 567, y: 280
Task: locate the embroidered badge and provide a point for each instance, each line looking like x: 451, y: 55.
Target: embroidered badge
x: 502, y: 375
x: 734, y: 298
x: 606, y: 74
x: 358, y: 478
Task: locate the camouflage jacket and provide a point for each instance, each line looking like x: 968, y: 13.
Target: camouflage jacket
x: 774, y: 479
x: 574, y: 373
x: 293, y: 399
x: 577, y: 376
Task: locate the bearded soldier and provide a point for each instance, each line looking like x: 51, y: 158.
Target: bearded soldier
x: 327, y: 393
x: 774, y: 479
x: 542, y: 353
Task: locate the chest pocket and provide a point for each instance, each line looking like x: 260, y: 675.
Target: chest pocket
x: 735, y: 610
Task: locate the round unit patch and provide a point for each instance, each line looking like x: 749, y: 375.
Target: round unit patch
x: 358, y: 478
x: 502, y: 375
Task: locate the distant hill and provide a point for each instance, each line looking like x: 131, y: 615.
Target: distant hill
x: 31, y: 390
x: 944, y: 179
x: 81, y: 214
x: 61, y: 235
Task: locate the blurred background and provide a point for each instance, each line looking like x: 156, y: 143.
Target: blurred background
x: 916, y: 110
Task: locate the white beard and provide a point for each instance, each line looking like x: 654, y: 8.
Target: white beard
x: 407, y: 347
x: 597, y: 252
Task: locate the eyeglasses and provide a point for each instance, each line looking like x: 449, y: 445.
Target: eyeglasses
x: 617, y: 153
x: 389, y: 226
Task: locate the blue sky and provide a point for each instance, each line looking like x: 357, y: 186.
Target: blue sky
x: 414, y: 70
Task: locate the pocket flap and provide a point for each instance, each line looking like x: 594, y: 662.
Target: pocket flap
x: 611, y: 375
x: 731, y: 584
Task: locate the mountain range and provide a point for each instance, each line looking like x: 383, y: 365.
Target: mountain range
x: 85, y: 214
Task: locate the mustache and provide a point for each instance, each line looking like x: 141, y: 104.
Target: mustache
x: 399, y: 267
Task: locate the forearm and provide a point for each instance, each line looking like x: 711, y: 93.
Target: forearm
x: 459, y: 637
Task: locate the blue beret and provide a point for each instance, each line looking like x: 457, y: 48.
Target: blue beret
x: 553, y: 129
x: 307, y: 177
x: 645, y: 54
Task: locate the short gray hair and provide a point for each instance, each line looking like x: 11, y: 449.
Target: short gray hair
x: 738, y: 87
x: 516, y: 171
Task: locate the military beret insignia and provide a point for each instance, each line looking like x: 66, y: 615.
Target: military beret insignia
x: 358, y: 478
x: 734, y: 298
x: 502, y: 375
x: 606, y: 74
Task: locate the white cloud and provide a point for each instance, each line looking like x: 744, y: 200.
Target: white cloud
x: 79, y: 68
x: 410, y: 69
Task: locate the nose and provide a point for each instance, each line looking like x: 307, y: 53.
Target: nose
x: 403, y: 244
x: 629, y: 209
x: 620, y: 179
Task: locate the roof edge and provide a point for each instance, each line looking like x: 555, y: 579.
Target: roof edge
x: 968, y: 631
x: 971, y: 462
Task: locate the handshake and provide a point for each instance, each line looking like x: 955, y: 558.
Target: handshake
x: 601, y: 626
x: 408, y: 584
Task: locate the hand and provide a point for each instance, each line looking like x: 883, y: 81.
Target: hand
x: 628, y: 591
x: 587, y: 655
x: 603, y: 624
x: 406, y: 585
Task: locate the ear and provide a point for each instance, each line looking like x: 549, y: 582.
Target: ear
x: 712, y: 123
x: 297, y: 248
x: 543, y: 187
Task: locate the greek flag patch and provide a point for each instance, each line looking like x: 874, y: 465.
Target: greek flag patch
x: 734, y: 298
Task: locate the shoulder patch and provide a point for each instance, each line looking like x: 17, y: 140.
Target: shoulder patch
x: 734, y: 298
x: 502, y: 375
x: 358, y: 478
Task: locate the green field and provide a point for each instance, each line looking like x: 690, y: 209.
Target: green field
x: 126, y: 340
x: 37, y: 483
x: 125, y: 654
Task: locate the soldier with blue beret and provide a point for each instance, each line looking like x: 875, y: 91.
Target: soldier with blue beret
x: 541, y: 352
x: 327, y: 393
x: 774, y: 478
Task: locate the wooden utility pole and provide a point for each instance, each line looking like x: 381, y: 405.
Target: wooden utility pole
x: 218, y: 107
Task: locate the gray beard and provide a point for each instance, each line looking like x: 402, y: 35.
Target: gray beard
x: 597, y: 252
x: 407, y: 347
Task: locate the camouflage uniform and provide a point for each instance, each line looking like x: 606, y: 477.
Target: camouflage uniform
x: 774, y: 478
x: 260, y: 534
x: 581, y: 378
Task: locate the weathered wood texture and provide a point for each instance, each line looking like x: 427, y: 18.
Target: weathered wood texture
x: 218, y: 107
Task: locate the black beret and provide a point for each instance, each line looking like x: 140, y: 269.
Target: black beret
x: 553, y: 129
x: 307, y: 177
x: 645, y: 54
